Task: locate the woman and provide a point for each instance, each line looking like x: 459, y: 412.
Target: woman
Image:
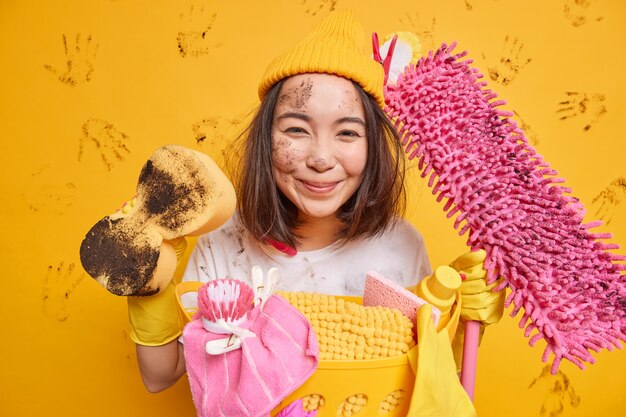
x: 319, y: 195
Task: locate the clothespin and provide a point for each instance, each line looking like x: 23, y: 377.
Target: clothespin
x: 262, y: 285
x: 386, y: 63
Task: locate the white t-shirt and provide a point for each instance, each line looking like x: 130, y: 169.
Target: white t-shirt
x: 398, y: 254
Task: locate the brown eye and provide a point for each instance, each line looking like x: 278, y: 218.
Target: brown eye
x: 349, y: 133
x: 296, y: 130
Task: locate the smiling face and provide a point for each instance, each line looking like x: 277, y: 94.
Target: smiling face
x: 319, y: 143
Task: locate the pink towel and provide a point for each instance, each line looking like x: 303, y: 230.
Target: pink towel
x: 252, y: 380
x: 296, y: 409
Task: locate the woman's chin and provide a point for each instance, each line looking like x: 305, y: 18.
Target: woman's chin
x: 318, y: 211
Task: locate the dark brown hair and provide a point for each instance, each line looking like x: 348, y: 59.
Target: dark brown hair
x: 265, y: 211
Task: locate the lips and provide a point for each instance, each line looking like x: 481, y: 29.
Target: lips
x: 319, y: 187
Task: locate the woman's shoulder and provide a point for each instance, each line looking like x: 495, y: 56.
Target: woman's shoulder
x: 398, y: 239
x: 402, y: 229
x: 232, y: 229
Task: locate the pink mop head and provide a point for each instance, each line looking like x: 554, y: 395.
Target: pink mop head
x: 560, y: 273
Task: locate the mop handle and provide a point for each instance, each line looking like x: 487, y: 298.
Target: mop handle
x: 470, y: 356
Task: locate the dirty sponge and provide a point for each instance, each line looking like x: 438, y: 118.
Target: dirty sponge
x: 180, y: 192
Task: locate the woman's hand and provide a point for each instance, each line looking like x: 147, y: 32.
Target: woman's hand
x: 479, y: 301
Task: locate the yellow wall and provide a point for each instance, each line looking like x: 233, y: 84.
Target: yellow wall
x: 73, y: 141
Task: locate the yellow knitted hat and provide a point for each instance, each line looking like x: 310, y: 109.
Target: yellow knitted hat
x: 334, y: 47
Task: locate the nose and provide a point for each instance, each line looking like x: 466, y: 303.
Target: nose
x: 321, y: 157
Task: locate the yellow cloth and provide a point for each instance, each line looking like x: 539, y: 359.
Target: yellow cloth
x: 155, y: 320
x: 335, y: 46
x: 437, y: 391
x: 479, y: 303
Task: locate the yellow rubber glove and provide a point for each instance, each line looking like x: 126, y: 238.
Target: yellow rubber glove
x: 155, y: 320
x: 437, y: 391
x: 479, y: 302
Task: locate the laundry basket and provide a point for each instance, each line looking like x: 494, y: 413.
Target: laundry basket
x: 342, y: 388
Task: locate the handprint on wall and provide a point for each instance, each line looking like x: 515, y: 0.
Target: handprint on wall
x: 577, y: 12
x: 42, y: 196
x: 425, y: 32
x: 215, y: 130
x: 195, y: 40
x: 469, y: 4
x: 107, y: 139
x: 530, y: 134
x: 59, y: 284
x: 588, y: 107
x: 511, y: 62
x: 559, y: 392
x: 313, y: 7
x: 610, y: 200
x: 79, y: 61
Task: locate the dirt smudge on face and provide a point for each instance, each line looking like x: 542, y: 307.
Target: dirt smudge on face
x: 299, y: 96
x: 284, y: 155
x: 351, y: 98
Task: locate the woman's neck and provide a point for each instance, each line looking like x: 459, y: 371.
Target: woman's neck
x: 317, y: 233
